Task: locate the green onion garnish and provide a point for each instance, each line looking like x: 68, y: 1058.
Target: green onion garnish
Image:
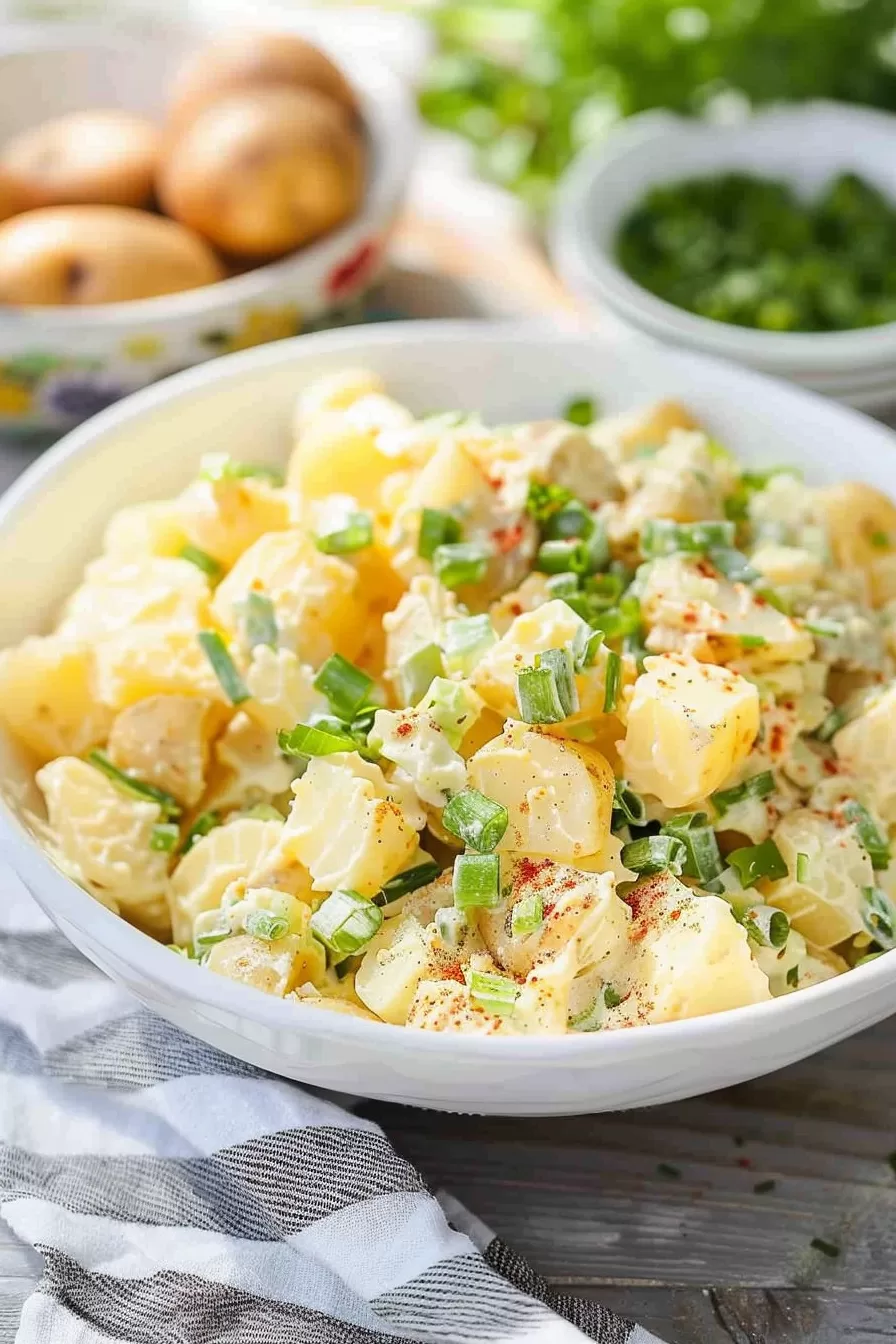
x: 869, y: 834
x: 437, y: 528
x: 309, y: 740
x: 618, y: 622
x: 563, y: 585
x: 660, y: 536
x: 345, y: 922
x: 880, y: 540
x: 704, y: 862
x: 346, y: 687
x: 591, y: 1019
x: 259, y: 620
x: 557, y: 557
x: 450, y: 705
x: 262, y: 924
x: 355, y: 534
x: 612, y: 998
x: 594, y: 549
x: 560, y: 661
x: 630, y: 804
x: 753, y: 862
x: 450, y: 925
x: 830, y: 725
x: 538, y: 696
x: 572, y: 520
x: 879, y: 917
x: 605, y: 590
x: 802, y: 867
x: 476, y: 881
x: 752, y: 641
x: 766, y: 926
x: 417, y: 672
x: 465, y: 640
x: 585, y: 645
x: 460, y: 564
x: 544, y: 500
x: 613, y: 675
x: 205, y: 822
x: 757, y: 786
x: 137, y: 788
x: 164, y: 837
x: 793, y: 977
x: 825, y: 629
x: 581, y: 411
x: 477, y: 820
x: 733, y: 564
x: 202, y: 560
x: 221, y: 467
x: 203, y: 941
x: 223, y: 666
x: 410, y: 880
x: 527, y: 915
x: 495, y: 993
x: 655, y: 854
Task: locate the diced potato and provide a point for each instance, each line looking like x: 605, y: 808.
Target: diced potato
x: 276, y: 967
x: 558, y: 794
x: 281, y: 688
x: 119, y: 593
x: 48, y: 697
x: 684, y: 481
x: 866, y: 748
x: 314, y: 595
x: 224, y: 518
x: 401, y: 955
x: 249, y: 766
x: 533, y: 592
x: 165, y: 741
x: 106, y: 834
x: 541, y: 1009
x: 417, y: 620
x: 646, y: 427
x: 144, y: 529
x: 689, y: 725
x: 558, y: 453
x: 334, y: 392
x: 224, y: 855
x: 149, y: 659
x: 786, y: 566
x: 861, y: 524
x: 346, y: 826
x: 332, y: 454
x: 826, y: 907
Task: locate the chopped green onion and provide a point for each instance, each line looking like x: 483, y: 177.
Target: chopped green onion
x: 345, y: 922
x: 437, y: 528
x: 655, y: 854
x: 452, y: 707
x: 563, y: 585
x: 203, y: 941
x: 223, y: 666
x: 560, y: 661
x: 612, y: 998
x: 591, y: 1019
x: 660, y: 536
x: 465, y: 640
x: 543, y: 500
x: 733, y: 564
x: 346, y: 687
x: 605, y: 589
x: 527, y: 915
x: 825, y: 629
x: 876, y: 845
x: 476, y: 881
x: 879, y: 917
x: 753, y: 862
x: 793, y: 977
x: 869, y: 956
x: 164, y: 837
x: 477, y: 820
x: 202, y: 560
x: 308, y: 740
x: 585, y: 645
x: 629, y: 803
x: 262, y: 924
x: 461, y: 564
x: 757, y: 786
x: 572, y: 520
x: 538, y: 696
x: 137, y: 788
x: 581, y: 411
x: 259, y: 620
x: 880, y: 540
x: 205, y: 822
x: 636, y: 649
x: 417, y: 672
x: 766, y: 926
x: 558, y: 556
x: 222, y: 467
x: 450, y: 925
x: 410, y: 880
x: 830, y: 725
x: 703, y: 862
x: 802, y: 867
x: 773, y: 599
x: 355, y: 534
x: 594, y: 549
x: 496, y: 993
x: 752, y: 641
x: 613, y: 675
x: 617, y: 622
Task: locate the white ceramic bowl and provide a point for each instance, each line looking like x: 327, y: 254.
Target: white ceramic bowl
x: 806, y: 144
x: 148, y: 446
x: 59, y: 365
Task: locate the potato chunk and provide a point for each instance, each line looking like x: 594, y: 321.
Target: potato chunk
x: 119, y: 593
x: 165, y: 740
x: 866, y: 748
x: 48, y: 697
x: 826, y: 907
x: 276, y: 967
x: 219, y: 858
x: 861, y: 525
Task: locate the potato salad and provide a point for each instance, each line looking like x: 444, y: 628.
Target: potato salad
x: 540, y: 728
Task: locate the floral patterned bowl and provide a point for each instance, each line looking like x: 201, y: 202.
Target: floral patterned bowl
x: 60, y: 365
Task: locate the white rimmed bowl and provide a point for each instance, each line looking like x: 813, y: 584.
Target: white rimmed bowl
x: 149, y: 445
x: 59, y: 365
x: 805, y: 144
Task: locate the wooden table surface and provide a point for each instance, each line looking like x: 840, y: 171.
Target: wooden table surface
x: 656, y: 1212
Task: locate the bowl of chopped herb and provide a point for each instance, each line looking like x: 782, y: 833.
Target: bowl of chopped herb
x: 771, y: 241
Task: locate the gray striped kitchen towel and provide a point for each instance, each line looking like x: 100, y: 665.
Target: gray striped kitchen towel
x: 179, y: 1196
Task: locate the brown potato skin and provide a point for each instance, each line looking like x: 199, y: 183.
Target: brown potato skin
x: 250, y: 60
x: 97, y: 157
x: 78, y: 255
x: 262, y: 172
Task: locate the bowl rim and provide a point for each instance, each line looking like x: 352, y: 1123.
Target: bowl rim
x: 193, y: 984
x: 587, y: 263
x: 391, y: 126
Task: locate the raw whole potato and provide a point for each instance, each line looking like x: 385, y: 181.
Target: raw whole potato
x: 252, y: 60
x: 262, y: 172
x: 102, y: 157
x: 87, y: 254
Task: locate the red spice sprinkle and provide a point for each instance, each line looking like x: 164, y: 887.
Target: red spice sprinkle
x: 706, y: 569
x: 776, y: 740
x: 760, y: 600
x: 516, y: 608
x: 404, y: 728
x: 506, y: 538
x: 454, y: 972
x: 830, y: 767
x: 529, y: 869
x: 675, y: 914
x: 745, y: 1162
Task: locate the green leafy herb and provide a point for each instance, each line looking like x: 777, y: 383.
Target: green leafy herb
x: 410, y: 880
x: 703, y: 861
x: 527, y: 915
x: 869, y: 834
x: 830, y: 725
x: 753, y: 862
x: 437, y: 528
x: 766, y: 926
x: 465, y: 640
x: 417, y: 671
x: 223, y: 666
x: 137, y: 788
x: 628, y: 804
x: 654, y: 854
x: 879, y: 917
x: 345, y: 686
x: 538, y: 696
x: 222, y: 467
x: 310, y: 740
x: 211, y: 567
x: 752, y: 641
x: 477, y: 820
x: 793, y: 977
x: 660, y: 536
x: 802, y: 867
x: 612, y: 999
x: 758, y: 786
x: 205, y: 822
x: 613, y: 677
x: 462, y: 564
x: 543, y: 501
x: 355, y: 534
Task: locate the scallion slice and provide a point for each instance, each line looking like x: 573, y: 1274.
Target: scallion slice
x: 164, y: 837
x: 345, y: 922
x: 753, y: 862
x: 757, y: 786
x: 461, y: 564
x: 618, y: 622
x: 660, y: 536
x: 206, y: 940
x: 557, y: 556
x: 830, y: 725
x: 137, y: 788
x: 560, y: 661
x: 355, y: 534
x: 654, y: 854
x: 527, y: 915
x: 613, y: 676
x: 477, y: 820
x: 211, y: 567
x: 308, y: 740
x: 752, y: 641
x: 345, y: 686
x: 572, y: 520
x: 437, y: 528
x: 593, y: 552
x: 630, y: 804
x: 205, y: 822
x: 222, y: 467
x: 869, y: 834
x: 538, y: 696
x: 612, y: 998
x: 223, y: 666
x: 585, y: 645
x: 802, y: 867
x: 259, y: 620
x: 450, y: 925
x: 465, y: 640
x: 591, y: 1018
x: 733, y: 564
x: 476, y: 881
x: 879, y: 917
x: 450, y: 705
x: 580, y: 411
x: 267, y: 926
x: 825, y: 629
x: 410, y: 880
x: 417, y: 672
x: 543, y: 500
x: 605, y: 590
x: 495, y: 993
x: 766, y: 926
x: 563, y: 585
x: 703, y: 862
